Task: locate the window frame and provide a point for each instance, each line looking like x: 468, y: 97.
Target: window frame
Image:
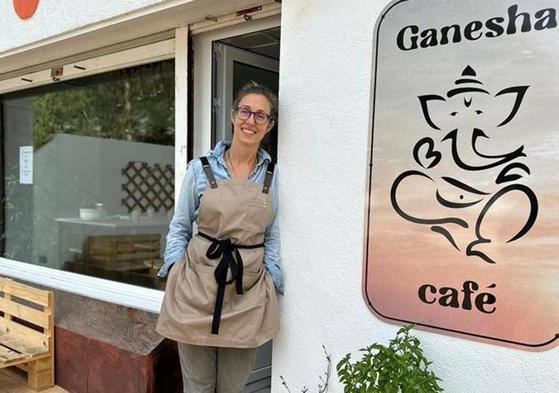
x: 111, y: 291
x: 203, y: 92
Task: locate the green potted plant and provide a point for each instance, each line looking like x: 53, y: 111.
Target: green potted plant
x: 399, y: 367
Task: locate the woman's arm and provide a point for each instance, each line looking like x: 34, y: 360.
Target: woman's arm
x: 180, y: 228
x: 272, y: 260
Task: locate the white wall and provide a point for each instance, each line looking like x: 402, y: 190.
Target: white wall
x: 55, y: 17
x: 326, y: 55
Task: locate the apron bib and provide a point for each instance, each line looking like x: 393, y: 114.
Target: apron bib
x: 219, y: 294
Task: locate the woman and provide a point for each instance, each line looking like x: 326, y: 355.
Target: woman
x: 220, y: 301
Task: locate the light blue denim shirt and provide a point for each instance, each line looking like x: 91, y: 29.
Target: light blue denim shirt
x: 186, y: 210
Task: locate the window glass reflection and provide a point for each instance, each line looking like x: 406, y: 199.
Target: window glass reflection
x: 88, y: 174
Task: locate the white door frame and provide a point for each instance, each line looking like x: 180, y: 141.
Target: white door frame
x: 223, y: 100
x: 202, y: 46
x: 203, y: 104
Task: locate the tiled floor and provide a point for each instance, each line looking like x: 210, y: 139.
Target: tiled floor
x: 12, y: 381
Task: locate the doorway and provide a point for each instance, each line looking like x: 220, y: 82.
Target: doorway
x: 235, y: 62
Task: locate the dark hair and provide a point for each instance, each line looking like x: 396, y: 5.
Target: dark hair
x: 253, y: 87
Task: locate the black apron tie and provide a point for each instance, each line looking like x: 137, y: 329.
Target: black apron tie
x: 230, y: 260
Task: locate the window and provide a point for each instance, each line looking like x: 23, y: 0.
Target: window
x: 88, y: 173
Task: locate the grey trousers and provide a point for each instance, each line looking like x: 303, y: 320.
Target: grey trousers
x: 215, y: 369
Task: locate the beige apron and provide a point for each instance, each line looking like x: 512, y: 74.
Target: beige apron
x: 242, y: 312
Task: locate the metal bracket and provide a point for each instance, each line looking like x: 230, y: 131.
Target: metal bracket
x: 56, y: 73
x: 216, y: 102
x: 218, y: 51
x: 245, y: 13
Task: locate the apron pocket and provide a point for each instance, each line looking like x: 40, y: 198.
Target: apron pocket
x: 177, y: 263
x: 203, y: 268
x: 254, y: 292
x: 256, y: 219
x: 198, y: 292
x: 258, y: 213
x: 252, y: 260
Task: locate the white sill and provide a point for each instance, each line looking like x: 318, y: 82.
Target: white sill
x: 97, y: 288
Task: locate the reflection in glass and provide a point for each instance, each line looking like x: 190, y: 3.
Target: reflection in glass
x: 96, y: 194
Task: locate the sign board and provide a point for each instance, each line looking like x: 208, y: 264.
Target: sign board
x: 462, y: 231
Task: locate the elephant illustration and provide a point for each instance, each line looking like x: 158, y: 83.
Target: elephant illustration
x: 475, y: 181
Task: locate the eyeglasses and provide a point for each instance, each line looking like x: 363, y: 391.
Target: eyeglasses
x: 244, y: 113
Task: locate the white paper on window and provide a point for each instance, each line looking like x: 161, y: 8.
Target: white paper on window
x: 26, y: 164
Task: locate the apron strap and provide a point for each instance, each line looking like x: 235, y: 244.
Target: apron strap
x: 269, y: 176
x: 230, y: 260
x: 208, y: 171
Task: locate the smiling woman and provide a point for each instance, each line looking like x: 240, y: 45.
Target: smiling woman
x: 232, y: 196
x: 252, y: 116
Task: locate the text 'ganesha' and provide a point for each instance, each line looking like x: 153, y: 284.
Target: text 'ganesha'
x: 479, y: 181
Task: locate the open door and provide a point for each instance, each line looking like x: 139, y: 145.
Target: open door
x: 233, y: 67
x: 236, y: 61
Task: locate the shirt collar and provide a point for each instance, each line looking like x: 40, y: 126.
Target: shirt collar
x: 219, y: 151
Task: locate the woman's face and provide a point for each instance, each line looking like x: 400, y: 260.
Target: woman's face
x: 249, y: 131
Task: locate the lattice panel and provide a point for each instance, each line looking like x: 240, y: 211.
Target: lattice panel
x: 148, y: 186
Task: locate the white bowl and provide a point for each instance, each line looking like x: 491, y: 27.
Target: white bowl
x: 87, y: 213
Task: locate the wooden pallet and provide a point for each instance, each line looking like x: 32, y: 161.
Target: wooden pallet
x: 123, y: 252
x: 27, y: 332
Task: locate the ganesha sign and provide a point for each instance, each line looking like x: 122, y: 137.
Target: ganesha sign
x: 463, y: 210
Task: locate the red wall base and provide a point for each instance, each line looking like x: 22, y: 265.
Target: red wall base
x: 86, y: 365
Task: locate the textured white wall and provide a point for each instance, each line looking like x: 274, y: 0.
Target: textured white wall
x: 326, y: 57
x: 56, y: 17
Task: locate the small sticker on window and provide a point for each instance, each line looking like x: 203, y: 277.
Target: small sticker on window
x: 26, y: 164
